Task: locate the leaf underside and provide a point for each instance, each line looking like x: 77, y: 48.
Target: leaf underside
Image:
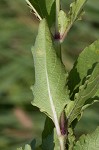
x: 50, y: 77
x: 50, y: 92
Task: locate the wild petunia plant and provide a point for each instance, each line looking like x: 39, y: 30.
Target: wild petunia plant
x: 62, y: 95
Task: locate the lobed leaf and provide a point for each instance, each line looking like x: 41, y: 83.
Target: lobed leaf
x: 84, y: 81
x: 71, y: 139
x: 75, y: 13
x: 88, y: 142
x: 76, y: 9
x: 86, y: 91
x: 82, y: 67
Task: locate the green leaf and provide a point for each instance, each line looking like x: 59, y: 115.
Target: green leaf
x: 76, y: 9
x: 71, y: 139
x: 86, y: 60
x: 88, y: 142
x: 86, y: 91
x: 74, y: 14
x: 97, y: 95
x: 43, y: 9
x: 48, y: 135
x: 50, y: 94
x: 19, y: 148
x: 27, y: 147
x: 86, y: 65
x: 33, y: 143
x: 63, y: 22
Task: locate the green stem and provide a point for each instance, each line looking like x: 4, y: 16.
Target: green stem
x: 58, y: 50
x: 57, y: 12
x: 57, y: 35
x: 62, y: 143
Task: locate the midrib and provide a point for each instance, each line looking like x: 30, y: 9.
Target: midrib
x: 55, y: 118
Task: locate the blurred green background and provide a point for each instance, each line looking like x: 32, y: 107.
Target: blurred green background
x: 20, y: 122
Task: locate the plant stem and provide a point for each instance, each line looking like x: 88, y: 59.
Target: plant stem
x: 62, y: 143
x: 57, y: 34
x: 57, y: 12
x: 58, y: 47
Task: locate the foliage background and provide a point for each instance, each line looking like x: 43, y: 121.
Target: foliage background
x: 19, y: 120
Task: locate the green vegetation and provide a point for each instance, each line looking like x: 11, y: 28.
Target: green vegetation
x: 18, y: 29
